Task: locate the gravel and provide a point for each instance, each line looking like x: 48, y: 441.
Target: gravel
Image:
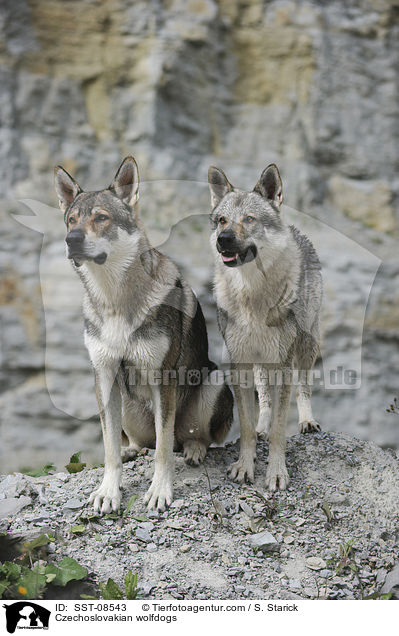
x: 192, y: 552
x: 264, y: 541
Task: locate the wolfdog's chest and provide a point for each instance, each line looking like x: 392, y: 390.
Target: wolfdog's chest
x: 255, y: 330
x: 250, y: 339
x: 113, y: 338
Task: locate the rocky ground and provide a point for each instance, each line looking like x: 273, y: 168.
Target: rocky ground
x: 333, y: 534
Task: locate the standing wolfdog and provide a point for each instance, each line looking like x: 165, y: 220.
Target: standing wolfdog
x: 146, y: 337
x: 268, y: 290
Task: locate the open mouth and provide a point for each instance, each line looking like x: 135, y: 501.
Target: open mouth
x: 78, y: 257
x: 235, y: 259
x: 100, y: 258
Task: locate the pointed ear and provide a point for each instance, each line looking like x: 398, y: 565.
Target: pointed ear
x: 126, y: 182
x: 219, y: 185
x: 66, y: 187
x: 270, y: 185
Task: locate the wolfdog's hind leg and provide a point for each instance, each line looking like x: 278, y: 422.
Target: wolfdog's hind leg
x: 307, y: 423
x: 194, y: 452
x: 129, y: 452
x: 306, y: 353
x: 137, y: 427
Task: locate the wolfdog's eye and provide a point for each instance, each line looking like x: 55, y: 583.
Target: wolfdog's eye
x: 101, y: 217
x: 222, y: 220
x: 250, y: 219
x: 72, y: 220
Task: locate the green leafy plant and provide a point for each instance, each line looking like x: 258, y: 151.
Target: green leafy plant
x: 47, y: 469
x: 67, y: 570
x: 75, y: 465
x: 28, y: 579
x: 110, y: 591
x: 377, y: 596
x: 131, y: 585
x: 346, y: 556
x: 79, y: 529
x: 269, y: 505
x: 130, y: 504
x: 217, y: 514
x: 140, y: 518
x: 330, y: 514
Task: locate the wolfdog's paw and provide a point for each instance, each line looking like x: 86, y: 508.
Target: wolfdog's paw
x: 263, y: 427
x: 277, y: 476
x: 128, y: 453
x: 242, y: 470
x: 194, y: 452
x: 309, y: 426
x: 106, y: 498
x: 160, y: 493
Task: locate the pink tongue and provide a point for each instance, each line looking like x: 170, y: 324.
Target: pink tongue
x: 227, y: 259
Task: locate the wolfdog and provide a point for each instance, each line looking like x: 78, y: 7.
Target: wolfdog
x: 268, y: 290
x: 143, y: 328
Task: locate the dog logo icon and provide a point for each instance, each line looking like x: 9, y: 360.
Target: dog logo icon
x: 26, y: 615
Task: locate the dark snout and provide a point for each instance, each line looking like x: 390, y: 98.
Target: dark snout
x: 232, y: 251
x: 74, y: 239
x: 226, y: 241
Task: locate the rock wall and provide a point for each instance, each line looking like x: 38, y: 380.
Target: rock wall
x: 312, y: 86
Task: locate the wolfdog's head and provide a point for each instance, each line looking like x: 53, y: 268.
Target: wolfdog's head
x: 245, y: 222
x: 98, y: 222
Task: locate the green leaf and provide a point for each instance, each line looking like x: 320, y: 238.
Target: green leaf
x: 50, y: 577
x: 130, y: 503
x: 3, y: 586
x: 89, y: 516
x: 33, y: 582
x: 377, y: 596
x: 68, y: 570
x: 111, y: 591
x: 12, y: 571
x: 140, y: 518
x: 39, y: 542
x: 78, y: 529
x: 88, y: 597
x: 75, y: 459
x: 131, y: 585
x: 75, y: 467
x: 47, y: 469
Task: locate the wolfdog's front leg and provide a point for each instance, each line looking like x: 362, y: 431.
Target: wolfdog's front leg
x: 160, y: 493
x: 277, y: 474
x: 107, y: 497
x: 243, y: 469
